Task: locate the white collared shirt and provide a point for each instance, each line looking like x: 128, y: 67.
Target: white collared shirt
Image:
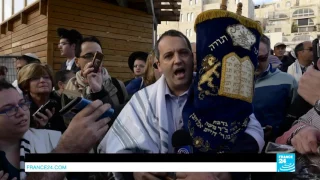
x: 69, y: 63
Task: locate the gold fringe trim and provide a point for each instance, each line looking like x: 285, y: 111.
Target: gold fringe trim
x: 217, y: 13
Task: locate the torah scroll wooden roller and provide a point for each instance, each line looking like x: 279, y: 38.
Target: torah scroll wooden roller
x: 239, y: 8
x: 223, y: 5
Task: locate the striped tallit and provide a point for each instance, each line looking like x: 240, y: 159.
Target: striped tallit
x: 36, y: 141
x: 143, y: 125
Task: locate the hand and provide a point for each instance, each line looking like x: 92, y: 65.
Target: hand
x: 41, y: 119
x: 309, y: 85
x: 94, y: 79
x: 197, y: 176
x: 84, y: 131
x: 148, y: 175
x: 5, y: 176
x: 306, y: 140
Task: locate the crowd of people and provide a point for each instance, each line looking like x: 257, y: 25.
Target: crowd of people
x: 148, y: 108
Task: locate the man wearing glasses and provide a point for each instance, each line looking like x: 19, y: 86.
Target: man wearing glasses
x: 67, y: 46
x: 274, y: 92
x: 22, y: 61
x: 93, y: 85
x: 304, y: 55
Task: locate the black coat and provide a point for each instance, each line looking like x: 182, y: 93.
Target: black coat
x: 74, y: 67
x: 56, y: 122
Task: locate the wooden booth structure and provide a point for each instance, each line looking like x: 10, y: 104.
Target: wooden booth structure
x: 122, y: 26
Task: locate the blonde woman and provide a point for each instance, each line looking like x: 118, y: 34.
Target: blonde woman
x: 36, y: 82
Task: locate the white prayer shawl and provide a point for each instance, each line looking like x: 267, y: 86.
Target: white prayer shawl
x: 37, y: 141
x: 144, y: 126
x: 295, y: 70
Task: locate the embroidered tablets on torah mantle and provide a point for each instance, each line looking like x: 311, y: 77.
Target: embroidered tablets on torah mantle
x: 218, y: 110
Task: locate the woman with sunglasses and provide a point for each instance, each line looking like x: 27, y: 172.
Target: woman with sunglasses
x: 150, y: 76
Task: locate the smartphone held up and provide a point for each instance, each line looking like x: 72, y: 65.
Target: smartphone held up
x: 76, y: 105
x: 97, y: 61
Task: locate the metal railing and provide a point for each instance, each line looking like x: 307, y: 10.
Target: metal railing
x: 8, y: 62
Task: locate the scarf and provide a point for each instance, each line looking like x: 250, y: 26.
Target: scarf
x: 78, y: 84
x: 36, y: 141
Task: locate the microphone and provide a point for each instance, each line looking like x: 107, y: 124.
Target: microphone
x: 182, y: 142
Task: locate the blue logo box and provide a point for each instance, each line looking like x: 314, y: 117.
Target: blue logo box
x: 286, y: 162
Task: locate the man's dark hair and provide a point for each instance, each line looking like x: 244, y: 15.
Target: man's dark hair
x: 265, y: 40
x: 61, y: 76
x: 298, y: 48
x: 3, y: 70
x: 172, y: 33
x: 6, y: 85
x: 73, y: 36
x: 87, y: 39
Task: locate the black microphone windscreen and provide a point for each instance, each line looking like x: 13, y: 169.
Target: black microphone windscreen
x: 181, y: 138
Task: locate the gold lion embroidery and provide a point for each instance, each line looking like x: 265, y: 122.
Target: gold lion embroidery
x: 210, y: 68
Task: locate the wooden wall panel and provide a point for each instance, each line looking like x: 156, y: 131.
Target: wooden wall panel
x: 27, y: 38
x: 120, y: 30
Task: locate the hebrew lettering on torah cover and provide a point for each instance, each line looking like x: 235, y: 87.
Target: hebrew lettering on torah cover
x: 237, y: 77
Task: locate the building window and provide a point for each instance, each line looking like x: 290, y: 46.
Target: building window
x: 196, y: 2
x: 187, y: 31
x: 190, y: 32
x: 288, y: 4
x: 166, y: 22
x: 190, y: 2
x: 277, y: 30
x: 278, y: 5
x: 307, y: 29
x: 302, y: 38
x: 191, y: 17
x: 303, y: 12
x: 188, y: 17
x: 305, y: 22
x: 1, y: 12
x: 30, y: 1
x: 18, y: 5
x: 7, y: 9
x: 181, y: 17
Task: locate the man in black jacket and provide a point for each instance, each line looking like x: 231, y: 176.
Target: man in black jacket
x: 67, y: 46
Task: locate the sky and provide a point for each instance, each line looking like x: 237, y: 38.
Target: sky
x: 257, y: 2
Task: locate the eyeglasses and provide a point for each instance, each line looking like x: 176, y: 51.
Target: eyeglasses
x: 38, y: 78
x: 309, y: 49
x: 88, y: 56
x: 263, y: 57
x: 154, y: 65
x: 11, y: 111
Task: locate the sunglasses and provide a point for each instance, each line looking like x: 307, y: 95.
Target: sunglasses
x: 263, y: 57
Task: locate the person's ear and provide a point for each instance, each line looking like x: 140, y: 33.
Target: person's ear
x: 158, y: 65
x: 73, y: 47
x: 76, y: 60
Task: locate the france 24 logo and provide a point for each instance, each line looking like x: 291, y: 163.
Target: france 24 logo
x: 286, y: 162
